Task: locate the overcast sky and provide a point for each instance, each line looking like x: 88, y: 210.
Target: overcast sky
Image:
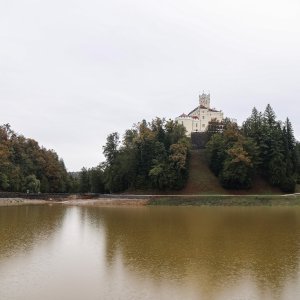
x: 71, y: 72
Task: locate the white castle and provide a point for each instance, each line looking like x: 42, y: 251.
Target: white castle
x: 198, y: 119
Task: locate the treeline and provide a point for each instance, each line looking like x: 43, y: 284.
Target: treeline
x: 88, y: 180
x: 25, y: 166
x: 262, y: 146
x: 151, y: 155
x: 154, y: 156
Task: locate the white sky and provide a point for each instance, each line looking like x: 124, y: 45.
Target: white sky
x: 71, y: 72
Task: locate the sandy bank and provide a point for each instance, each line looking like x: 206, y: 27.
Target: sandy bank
x: 106, y: 202
x: 77, y: 202
x: 177, y: 200
x: 20, y: 201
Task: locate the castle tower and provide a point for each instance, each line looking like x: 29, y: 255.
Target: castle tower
x: 204, y: 100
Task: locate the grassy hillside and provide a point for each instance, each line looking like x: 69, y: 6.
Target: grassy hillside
x: 203, y: 181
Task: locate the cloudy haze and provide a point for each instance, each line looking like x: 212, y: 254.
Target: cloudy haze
x: 71, y: 72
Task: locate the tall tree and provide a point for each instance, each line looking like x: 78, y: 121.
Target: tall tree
x: 233, y: 157
x: 22, y: 160
x: 110, y: 149
x: 84, y: 181
x: 152, y: 155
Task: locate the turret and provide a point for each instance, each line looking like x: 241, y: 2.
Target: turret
x: 204, y: 100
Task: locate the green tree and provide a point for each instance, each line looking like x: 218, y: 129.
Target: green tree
x: 110, y: 150
x: 21, y: 157
x: 84, y: 181
x: 233, y: 157
x: 237, y: 172
x: 4, y: 182
x: 216, y: 153
x: 32, y: 184
x: 277, y: 147
x: 96, y: 177
x: 147, y: 157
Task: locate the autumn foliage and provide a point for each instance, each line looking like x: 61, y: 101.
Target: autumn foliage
x: 262, y: 146
x: 25, y: 166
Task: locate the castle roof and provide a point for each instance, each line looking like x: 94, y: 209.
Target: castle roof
x: 183, y: 115
x: 201, y: 107
x: 193, y: 110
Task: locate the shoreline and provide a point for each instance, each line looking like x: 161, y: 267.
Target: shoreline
x: 155, y: 200
x: 229, y: 200
x: 20, y: 201
x: 75, y: 202
x: 106, y: 202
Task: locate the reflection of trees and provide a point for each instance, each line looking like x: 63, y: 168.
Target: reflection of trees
x: 212, y: 246
x: 21, y: 226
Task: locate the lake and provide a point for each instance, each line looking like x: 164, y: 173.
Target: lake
x: 69, y: 252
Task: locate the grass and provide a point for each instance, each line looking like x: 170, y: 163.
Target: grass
x: 202, y: 181
x: 230, y: 200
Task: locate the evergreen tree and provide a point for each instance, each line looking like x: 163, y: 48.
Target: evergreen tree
x: 277, y: 147
x: 216, y: 153
x: 96, y: 180
x: 152, y: 155
x: 84, y: 181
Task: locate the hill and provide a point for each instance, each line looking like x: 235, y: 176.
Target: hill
x: 202, y: 181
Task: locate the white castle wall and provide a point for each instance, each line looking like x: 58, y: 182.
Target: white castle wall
x: 198, y: 119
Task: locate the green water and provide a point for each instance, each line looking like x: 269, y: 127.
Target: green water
x: 56, y: 252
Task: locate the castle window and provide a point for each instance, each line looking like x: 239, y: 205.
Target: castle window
x: 203, y: 117
x: 196, y: 124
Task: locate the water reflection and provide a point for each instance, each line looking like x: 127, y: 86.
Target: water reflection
x: 212, y: 248
x: 22, y: 226
x: 149, y: 253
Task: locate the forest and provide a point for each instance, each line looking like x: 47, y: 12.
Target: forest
x: 154, y: 156
x: 263, y: 146
x: 27, y: 167
x: 151, y: 156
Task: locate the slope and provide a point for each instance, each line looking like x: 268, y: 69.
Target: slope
x: 203, y: 181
